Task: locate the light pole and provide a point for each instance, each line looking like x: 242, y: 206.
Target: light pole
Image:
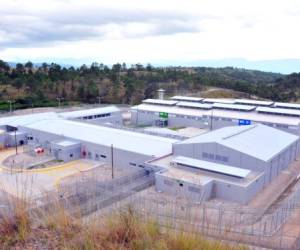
x: 99, y: 99
x: 16, y: 145
x: 112, y: 160
x: 211, y: 119
x: 10, y: 106
x: 59, y: 100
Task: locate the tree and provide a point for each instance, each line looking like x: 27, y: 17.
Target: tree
x: 29, y: 65
x: 81, y: 91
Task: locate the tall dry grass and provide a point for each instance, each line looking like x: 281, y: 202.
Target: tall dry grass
x: 58, y: 229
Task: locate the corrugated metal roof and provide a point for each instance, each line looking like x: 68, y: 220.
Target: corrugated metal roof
x: 187, y: 98
x: 279, y: 111
x: 66, y: 143
x: 212, y: 167
x: 219, y: 100
x: 122, y: 139
x: 233, y: 106
x: 253, y: 102
x: 287, y: 105
x: 88, y: 112
x: 257, y: 140
x: 161, y: 102
x: 21, y: 120
x: 194, y: 105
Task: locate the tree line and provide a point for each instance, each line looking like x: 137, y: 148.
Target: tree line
x: 40, y: 85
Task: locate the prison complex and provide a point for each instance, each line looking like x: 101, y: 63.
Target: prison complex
x: 248, y: 143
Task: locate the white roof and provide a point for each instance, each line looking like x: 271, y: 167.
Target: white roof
x: 219, y: 100
x: 187, y: 176
x: 194, y: 105
x: 260, y: 141
x: 253, y: 102
x: 161, y: 102
x: 66, y: 143
x: 233, y: 114
x: 212, y: 167
x: 21, y: 120
x: 287, y: 105
x: 187, y: 98
x: 88, y: 112
x: 279, y: 111
x: 233, y: 106
x: 122, y: 139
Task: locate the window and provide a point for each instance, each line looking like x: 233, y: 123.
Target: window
x: 132, y: 164
x: 141, y: 166
x: 211, y: 156
x: 96, y: 156
x: 71, y: 155
x: 181, y: 184
x: 103, y: 156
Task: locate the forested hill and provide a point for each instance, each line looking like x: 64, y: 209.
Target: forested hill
x: 27, y: 84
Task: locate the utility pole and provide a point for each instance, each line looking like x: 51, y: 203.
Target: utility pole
x: 59, y: 101
x: 16, y: 145
x: 10, y: 106
x: 99, y: 99
x: 112, y: 160
x: 211, y: 119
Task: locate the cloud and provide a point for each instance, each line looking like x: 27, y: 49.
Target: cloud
x: 148, y: 31
x: 72, y: 21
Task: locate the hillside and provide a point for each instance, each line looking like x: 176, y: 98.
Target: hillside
x: 28, y: 85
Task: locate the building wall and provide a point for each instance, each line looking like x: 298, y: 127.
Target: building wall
x: 141, y: 117
x: 121, y: 158
x: 66, y: 154
x: 215, y: 152
x: 183, y: 189
x: 229, y: 190
x: 207, y: 122
x: 238, y: 193
x: 115, y: 118
x: 11, y: 140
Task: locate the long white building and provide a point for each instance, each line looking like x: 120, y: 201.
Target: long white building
x: 215, y: 115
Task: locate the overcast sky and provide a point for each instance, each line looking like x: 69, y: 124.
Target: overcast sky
x: 156, y: 31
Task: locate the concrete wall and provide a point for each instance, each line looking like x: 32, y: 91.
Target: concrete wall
x: 183, y: 189
x: 236, y: 191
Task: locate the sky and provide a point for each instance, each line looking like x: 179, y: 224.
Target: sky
x: 261, y: 34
